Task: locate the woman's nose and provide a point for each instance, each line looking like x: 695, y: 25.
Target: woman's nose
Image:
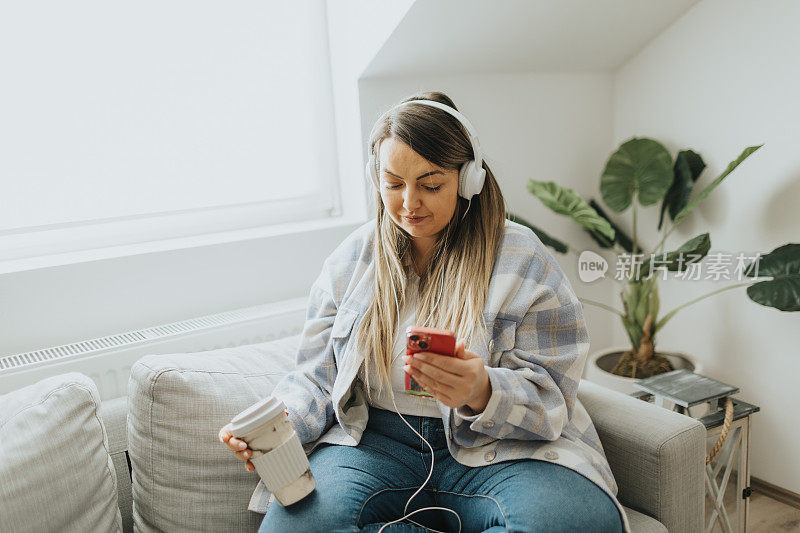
x: 411, y: 200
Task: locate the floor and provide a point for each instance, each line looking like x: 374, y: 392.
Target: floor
x: 766, y: 514
x: 771, y: 515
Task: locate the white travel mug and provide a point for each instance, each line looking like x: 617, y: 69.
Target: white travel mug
x: 278, y: 456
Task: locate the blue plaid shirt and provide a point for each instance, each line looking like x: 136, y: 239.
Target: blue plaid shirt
x: 537, y: 348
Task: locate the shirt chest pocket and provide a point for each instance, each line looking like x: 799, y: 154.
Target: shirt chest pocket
x: 341, y: 331
x: 503, y: 339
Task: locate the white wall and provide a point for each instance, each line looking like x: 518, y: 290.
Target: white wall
x: 531, y: 126
x: 50, y: 306
x: 356, y: 31
x: 57, y: 305
x: 726, y: 75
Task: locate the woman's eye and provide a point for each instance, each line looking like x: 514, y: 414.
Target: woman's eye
x: 431, y: 189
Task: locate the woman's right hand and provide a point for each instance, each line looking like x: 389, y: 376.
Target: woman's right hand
x: 243, y: 453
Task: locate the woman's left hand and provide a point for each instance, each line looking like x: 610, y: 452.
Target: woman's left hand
x: 455, y: 381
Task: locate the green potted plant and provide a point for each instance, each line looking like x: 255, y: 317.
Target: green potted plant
x: 643, y: 171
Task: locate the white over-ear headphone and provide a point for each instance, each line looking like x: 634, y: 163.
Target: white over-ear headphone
x: 471, y: 175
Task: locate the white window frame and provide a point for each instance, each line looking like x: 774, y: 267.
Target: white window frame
x: 78, y: 241
x: 75, y: 242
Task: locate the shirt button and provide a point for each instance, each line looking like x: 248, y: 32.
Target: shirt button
x: 488, y: 423
x: 550, y: 454
x: 489, y: 456
x: 491, y: 345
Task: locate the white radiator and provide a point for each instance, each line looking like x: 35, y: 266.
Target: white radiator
x: 108, y: 360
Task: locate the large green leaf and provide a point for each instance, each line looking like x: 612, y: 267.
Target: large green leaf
x: 783, y: 290
x: 601, y: 240
x: 640, y: 166
x: 705, y: 192
x: 565, y: 201
x: 619, y: 236
x: 546, y: 239
x: 678, y: 260
x: 688, y: 167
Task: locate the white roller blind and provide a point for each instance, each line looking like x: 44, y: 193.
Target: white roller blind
x: 115, y: 111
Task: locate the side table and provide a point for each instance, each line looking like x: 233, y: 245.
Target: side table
x: 685, y: 390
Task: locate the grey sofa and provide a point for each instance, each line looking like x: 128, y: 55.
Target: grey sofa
x: 173, y: 474
x: 656, y: 455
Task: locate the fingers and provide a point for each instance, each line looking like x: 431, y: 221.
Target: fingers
x: 439, y: 395
x: 244, y: 455
x: 236, y: 444
x: 430, y: 382
x: 225, y: 436
x: 431, y: 372
x: 464, y: 353
x: 443, y: 375
x: 460, y: 346
x: 428, y: 360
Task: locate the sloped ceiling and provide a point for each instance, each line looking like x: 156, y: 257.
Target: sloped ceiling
x: 466, y: 36
x: 358, y: 29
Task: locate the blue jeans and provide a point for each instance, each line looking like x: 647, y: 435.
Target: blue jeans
x: 361, y: 488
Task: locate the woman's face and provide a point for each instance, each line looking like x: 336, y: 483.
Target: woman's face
x: 419, y: 196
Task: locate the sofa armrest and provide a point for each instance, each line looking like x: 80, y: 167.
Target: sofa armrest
x: 657, y: 456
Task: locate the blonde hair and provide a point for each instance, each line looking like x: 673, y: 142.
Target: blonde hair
x: 462, y: 257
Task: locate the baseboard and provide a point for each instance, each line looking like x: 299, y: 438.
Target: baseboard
x: 775, y: 492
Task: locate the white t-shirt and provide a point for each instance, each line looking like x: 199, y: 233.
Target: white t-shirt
x: 407, y: 404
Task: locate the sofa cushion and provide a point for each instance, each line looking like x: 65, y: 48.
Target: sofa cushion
x: 641, y: 523
x: 55, y: 470
x: 184, y: 479
x: 115, y: 419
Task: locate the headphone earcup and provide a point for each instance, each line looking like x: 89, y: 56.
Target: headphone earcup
x: 470, y: 179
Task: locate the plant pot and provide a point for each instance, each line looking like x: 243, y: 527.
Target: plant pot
x: 599, y: 365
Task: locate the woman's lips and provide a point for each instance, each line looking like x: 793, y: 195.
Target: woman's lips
x: 414, y: 220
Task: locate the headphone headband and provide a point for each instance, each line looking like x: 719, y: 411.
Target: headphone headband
x: 471, y: 175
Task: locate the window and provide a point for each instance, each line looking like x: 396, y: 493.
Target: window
x: 142, y: 121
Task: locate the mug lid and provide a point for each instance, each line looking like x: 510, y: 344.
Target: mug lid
x: 257, y: 414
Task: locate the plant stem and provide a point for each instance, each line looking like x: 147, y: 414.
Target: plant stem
x: 619, y: 248
x: 603, y: 306
x: 635, y: 239
x: 671, y: 313
x: 660, y: 246
x: 666, y: 234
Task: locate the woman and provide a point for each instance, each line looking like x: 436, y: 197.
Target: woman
x: 503, y: 444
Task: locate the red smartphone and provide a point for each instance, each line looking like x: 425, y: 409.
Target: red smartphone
x: 419, y: 339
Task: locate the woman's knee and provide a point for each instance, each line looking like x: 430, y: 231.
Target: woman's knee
x: 568, y: 501
x: 315, y: 512
x: 539, y: 496
x: 346, y: 477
